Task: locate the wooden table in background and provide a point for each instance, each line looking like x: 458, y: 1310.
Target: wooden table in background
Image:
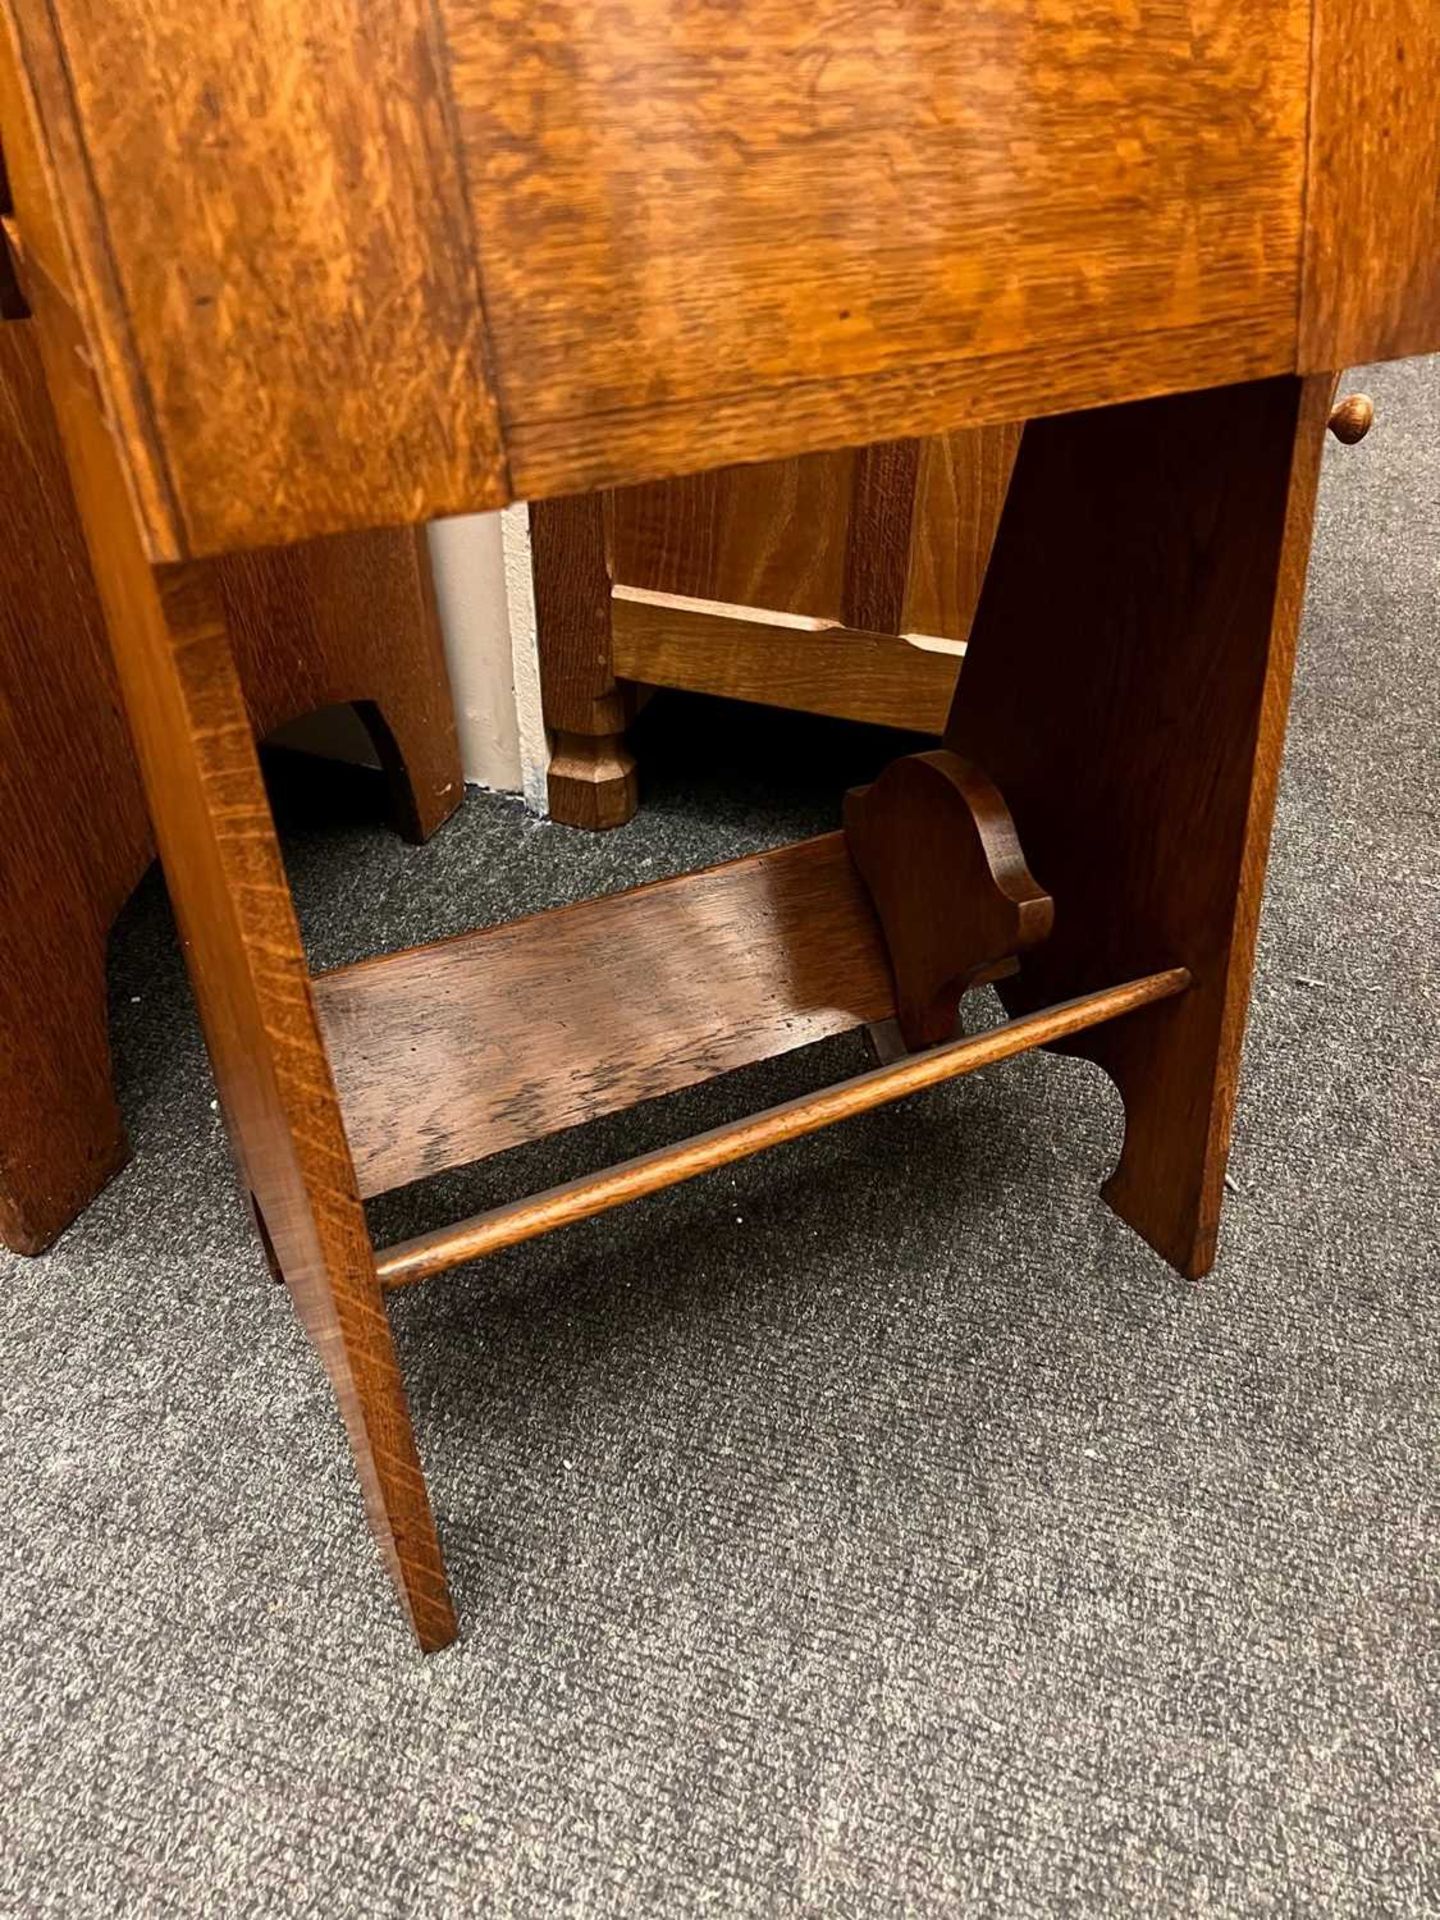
x: 299, y: 270
x: 838, y: 583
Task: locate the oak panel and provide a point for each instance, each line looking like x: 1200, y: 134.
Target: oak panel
x: 768, y: 535
x: 964, y: 478
x: 684, y: 205
x: 811, y: 665
x: 444, y: 1054
x: 273, y: 241
x: 1372, y: 256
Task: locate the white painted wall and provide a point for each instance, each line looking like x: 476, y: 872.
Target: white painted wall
x: 487, y: 610
x: 486, y: 598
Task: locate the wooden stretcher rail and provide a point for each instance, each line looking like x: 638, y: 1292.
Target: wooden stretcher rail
x: 432, y: 1253
x: 783, y: 659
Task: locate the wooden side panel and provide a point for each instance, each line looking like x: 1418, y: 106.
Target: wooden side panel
x: 242, y: 943
x: 352, y: 619
x: 274, y: 258
x: 1372, y: 249
x: 342, y: 619
x: 1137, y: 740
x: 770, y: 535
x: 964, y: 478
x: 705, y: 234
x: 446, y: 1053
x: 877, y: 544
x: 76, y: 836
x: 716, y: 221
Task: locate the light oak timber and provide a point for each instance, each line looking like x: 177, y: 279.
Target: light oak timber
x: 960, y: 495
x: 783, y: 660
x: 351, y: 264
x: 504, y: 1035
x: 1371, y: 288
x: 772, y: 534
x: 463, y: 254
x: 687, y: 245
x: 237, y: 924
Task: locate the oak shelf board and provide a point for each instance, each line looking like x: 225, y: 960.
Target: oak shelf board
x: 447, y: 1053
x: 432, y: 1253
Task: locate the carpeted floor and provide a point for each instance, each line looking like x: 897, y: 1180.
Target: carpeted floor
x: 877, y: 1528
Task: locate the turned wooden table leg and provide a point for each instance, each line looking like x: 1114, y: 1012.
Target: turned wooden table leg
x: 197, y: 757
x: 1126, y: 688
x: 592, y: 771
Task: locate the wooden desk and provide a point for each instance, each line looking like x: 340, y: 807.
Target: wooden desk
x: 300, y: 269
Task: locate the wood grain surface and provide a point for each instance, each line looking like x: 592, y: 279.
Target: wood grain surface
x: 76, y: 835
x: 591, y: 779
x: 813, y: 666
x: 269, y: 234
x: 340, y: 263
x: 446, y: 1053
x: 351, y: 620
x: 877, y: 540
x: 1372, y: 230
x: 1137, y: 740
x: 242, y: 945
x: 937, y: 849
x: 964, y: 478
x: 768, y: 535
x: 336, y: 262
x: 582, y: 1199
x: 694, y: 214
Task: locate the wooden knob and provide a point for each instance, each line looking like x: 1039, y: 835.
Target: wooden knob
x: 1350, y: 418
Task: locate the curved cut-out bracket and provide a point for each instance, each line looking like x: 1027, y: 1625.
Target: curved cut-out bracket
x: 934, y: 842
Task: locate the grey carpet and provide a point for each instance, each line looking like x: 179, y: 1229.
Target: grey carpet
x: 876, y: 1528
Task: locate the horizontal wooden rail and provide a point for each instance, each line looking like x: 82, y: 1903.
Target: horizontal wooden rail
x: 431, y: 1253
x: 782, y: 659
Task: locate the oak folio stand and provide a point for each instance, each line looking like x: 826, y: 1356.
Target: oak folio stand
x: 301, y: 269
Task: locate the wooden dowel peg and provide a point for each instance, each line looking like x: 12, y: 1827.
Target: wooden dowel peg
x: 1352, y: 418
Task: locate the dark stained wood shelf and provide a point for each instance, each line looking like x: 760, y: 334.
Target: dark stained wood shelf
x: 444, y: 1054
x: 433, y: 1253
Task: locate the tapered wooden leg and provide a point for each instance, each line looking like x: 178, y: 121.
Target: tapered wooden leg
x: 197, y: 757
x: 1126, y: 688
x: 592, y: 771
